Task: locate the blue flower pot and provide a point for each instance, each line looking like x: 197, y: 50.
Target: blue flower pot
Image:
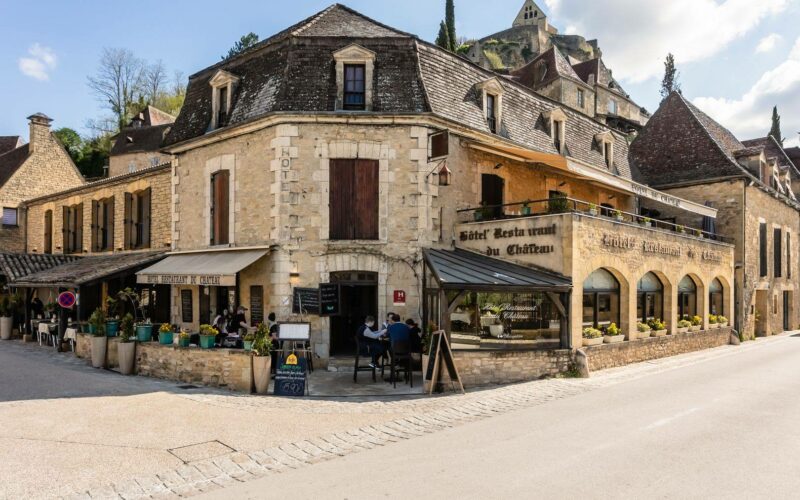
x: 144, y: 333
x: 165, y: 338
x: 207, y: 341
x: 112, y: 328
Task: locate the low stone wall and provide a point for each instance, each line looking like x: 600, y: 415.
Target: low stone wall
x: 484, y: 367
x: 229, y: 368
x: 605, y: 356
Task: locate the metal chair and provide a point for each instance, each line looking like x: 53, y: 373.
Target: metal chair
x: 362, y: 349
x: 401, y: 361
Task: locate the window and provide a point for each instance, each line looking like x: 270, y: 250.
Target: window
x: 581, y: 98
x: 354, y: 87
x: 103, y: 225
x: 687, y: 298
x: 558, y: 135
x: 9, y: 217
x: 220, y: 207
x: 608, y: 153
x: 612, y: 107
x: 600, y: 300
x: 650, y: 298
x: 491, y: 112
x: 222, y: 85
x: 72, y: 228
x: 762, y: 250
x: 48, y: 232
x: 715, y: 302
x: 353, y: 199
x: 222, y: 107
x: 777, y: 250
x: 137, y: 220
x: 788, y: 255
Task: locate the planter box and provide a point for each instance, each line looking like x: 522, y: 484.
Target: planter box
x: 597, y: 341
x: 593, y: 212
x: 712, y: 326
x: 495, y: 330
x: 126, y: 352
x: 660, y: 333
x: 207, y: 341
x: 6, y: 325
x: 644, y: 335
x: 99, y: 351
x: 695, y: 328
x: 166, y: 338
x: 183, y: 342
x: 261, y: 369
x: 722, y: 325
x: 683, y: 330
x: 613, y: 339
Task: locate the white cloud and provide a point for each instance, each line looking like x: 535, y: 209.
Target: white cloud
x: 750, y: 115
x: 635, y: 36
x: 41, y: 62
x: 767, y: 43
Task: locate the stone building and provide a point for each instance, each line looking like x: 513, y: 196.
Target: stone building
x: 137, y: 146
x: 314, y: 174
x: 682, y: 151
x: 30, y: 170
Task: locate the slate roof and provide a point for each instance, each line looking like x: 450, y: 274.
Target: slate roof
x: 9, y: 142
x: 680, y: 143
x: 294, y: 71
x: 139, y: 139
x: 17, y: 265
x: 151, y: 116
x: 462, y: 269
x: 793, y: 154
x: 602, y: 75
x: 87, y: 270
x: 557, y: 67
x: 773, y: 149
x: 11, y: 161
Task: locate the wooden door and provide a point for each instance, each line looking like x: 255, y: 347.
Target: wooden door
x: 492, y: 193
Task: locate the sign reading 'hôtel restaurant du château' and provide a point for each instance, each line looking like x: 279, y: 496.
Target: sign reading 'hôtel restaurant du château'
x: 188, y: 279
x: 513, y: 241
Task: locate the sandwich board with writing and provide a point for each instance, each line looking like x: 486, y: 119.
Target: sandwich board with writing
x: 290, y: 376
x: 439, y: 353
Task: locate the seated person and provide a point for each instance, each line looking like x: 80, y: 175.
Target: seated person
x: 397, y: 331
x: 371, y: 339
x: 415, y: 336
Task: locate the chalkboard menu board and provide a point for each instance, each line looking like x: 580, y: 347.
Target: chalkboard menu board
x: 306, y: 299
x: 329, y: 299
x: 256, y: 304
x: 187, y: 309
x: 290, y: 376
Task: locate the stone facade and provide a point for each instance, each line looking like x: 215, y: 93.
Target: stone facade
x: 606, y: 356
x: 130, y: 162
x: 487, y: 367
x: 157, y: 179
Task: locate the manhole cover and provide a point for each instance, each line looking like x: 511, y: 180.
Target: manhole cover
x: 201, y: 451
x: 188, y: 386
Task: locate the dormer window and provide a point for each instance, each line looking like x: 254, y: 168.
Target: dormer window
x: 612, y: 107
x: 222, y: 86
x: 605, y: 141
x: 557, y: 119
x: 355, y: 67
x: 581, y: 99
x: 491, y: 112
x: 492, y: 99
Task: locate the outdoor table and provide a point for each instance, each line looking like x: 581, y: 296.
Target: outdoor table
x: 44, y: 328
x: 71, y: 335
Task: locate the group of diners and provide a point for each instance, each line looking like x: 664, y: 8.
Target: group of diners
x: 379, y: 342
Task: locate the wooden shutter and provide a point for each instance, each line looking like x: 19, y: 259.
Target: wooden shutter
x: 95, y: 228
x: 109, y: 220
x: 341, y: 199
x: 145, y: 222
x: 127, y: 221
x: 220, y: 187
x: 79, y: 228
x: 65, y: 240
x: 365, y: 214
x: 48, y: 231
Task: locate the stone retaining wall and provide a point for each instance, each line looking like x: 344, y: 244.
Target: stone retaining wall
x: 606, y: 356
x: 484, y: 367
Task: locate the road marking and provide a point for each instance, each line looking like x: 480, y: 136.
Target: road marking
x: 665, y: 421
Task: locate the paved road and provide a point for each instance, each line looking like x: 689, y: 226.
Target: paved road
x: 728, y: 427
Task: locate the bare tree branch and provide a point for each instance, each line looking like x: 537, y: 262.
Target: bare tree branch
x: 119, y: 82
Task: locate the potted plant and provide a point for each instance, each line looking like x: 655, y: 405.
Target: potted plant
x: 6, y: 318
x: 558, y: 205
x: 99, y: 339
x: 126, y: 349
x: 592, y: 209
x: 183, y: 339
x: 697, y: 323
x: 612, y: 334
x: 165, y: 334
x: 643, y: 329
x: 684, y: 325
x: 680, y: 229
x: 144, y: 329
x: 248, y: 341
x: 722, y: 321
x: 113, y: 308
x: 713, y: 321
x: 658, y: 327
x: 483, y: 212
x: 207, y: 336
x: 262, y: 362
x: 592, y: 336
x: 647, y: 221
x: 526, y: 207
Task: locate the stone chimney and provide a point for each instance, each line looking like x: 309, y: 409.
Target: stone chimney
x: 39, y: 131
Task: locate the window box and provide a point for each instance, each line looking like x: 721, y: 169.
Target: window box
x: 613, y: 339
x: 595, y: 341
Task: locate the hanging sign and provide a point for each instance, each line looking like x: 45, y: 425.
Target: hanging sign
x: 329, y: 296
x: 66, y: 300
x: 399, y: 298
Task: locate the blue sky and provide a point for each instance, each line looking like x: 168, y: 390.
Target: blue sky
x: 736, y: 57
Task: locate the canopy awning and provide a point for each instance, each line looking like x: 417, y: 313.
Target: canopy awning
x: 215, y: 268
x: 464, y: 270
x: 88, y: 270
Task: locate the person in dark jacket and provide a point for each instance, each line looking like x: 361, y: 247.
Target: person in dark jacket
x: 414, y: 335
x: 369, y: 337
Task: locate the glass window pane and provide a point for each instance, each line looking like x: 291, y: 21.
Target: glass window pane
x: 600, y: 279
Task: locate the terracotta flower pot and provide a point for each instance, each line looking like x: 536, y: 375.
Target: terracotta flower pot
x: 261, y: 369
x: 99, y: 351
x: 126, y: 352
x: 6, y: 326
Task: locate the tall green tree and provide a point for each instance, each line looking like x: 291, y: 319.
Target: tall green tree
x: 670, y: 82
x: 443, y: 39
x: 775, y: 130
x: 244, y: 43
x: 89, y: 155
x: 450, y: 21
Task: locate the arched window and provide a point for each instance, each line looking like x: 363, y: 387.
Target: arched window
x: 715, y: 302
x: 600, y: 299
x: 649, y: 298
x: 687, y: 298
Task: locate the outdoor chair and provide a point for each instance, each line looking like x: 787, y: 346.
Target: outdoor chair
x: 401, y: 361
x: 362, y: 350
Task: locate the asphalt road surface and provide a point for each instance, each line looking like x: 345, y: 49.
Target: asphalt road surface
x: 728, y: 427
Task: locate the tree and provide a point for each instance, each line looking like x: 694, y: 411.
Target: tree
x: 155, y: 78
x: 450, y: 21
x: 119, y: 82
x: 670, y: 82
x: 88, y: 155
x: 775, y: 130
x: 443, y: 39
x: 71, y: 141
x: 244, y: 43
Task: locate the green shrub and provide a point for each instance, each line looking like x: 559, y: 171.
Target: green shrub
x: 126, y: 329
x: 612, y: 329
x: 208, y: 330
x: 656, y: 324
x: 262, y: 344
x: 684, y: 323
x: 697, y: 321
x: 722, y: 319
x: 592, y: 333
x: 642, y: 327
x: 712, y: 318
x: 98, y: 321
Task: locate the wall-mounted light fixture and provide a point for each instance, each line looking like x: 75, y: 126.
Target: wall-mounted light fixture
x: 444, y: 174
x: 498, y: 166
